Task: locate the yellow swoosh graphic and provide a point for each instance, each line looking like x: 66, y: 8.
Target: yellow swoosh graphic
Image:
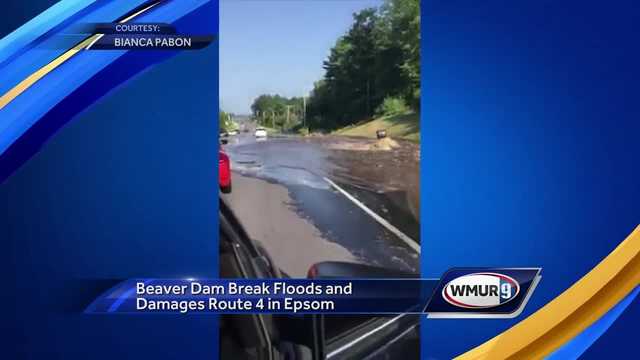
x: 40, y: 73
x: 572, y: 311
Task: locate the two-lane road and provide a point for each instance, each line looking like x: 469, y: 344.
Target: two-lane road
x: 306, y: 201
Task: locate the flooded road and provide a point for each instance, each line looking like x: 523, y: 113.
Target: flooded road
x: 317, y: 199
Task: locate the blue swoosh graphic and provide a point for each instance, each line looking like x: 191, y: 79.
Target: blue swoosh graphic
x: 23, y: 117
x: 578, y: 345
x: 124, y: 296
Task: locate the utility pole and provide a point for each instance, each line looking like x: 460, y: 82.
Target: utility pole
x: 304, y: 111
x: 273, y: 119
x: 287, y: 123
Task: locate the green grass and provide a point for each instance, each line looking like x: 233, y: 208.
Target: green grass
x: 398, y: 126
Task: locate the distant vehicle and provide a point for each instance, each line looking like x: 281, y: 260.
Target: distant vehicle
x: 224, y: 172
x: 233, y: 132
x: 261, y: 132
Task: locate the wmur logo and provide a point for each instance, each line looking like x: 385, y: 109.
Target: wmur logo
x: 482, y: 293
x: 480, y: 290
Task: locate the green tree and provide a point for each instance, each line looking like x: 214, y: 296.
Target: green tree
x: 378, y: 58
x: 277, y: 111
x: 402, y: 33
x: 225, y: 122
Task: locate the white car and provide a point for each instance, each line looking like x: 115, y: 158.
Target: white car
x: 260, y: 133
x: 233, y: 132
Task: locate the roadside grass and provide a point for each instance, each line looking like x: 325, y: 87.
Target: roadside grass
x: 406, y: 126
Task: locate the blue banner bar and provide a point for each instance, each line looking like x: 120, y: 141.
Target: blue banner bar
x: 276, y: 296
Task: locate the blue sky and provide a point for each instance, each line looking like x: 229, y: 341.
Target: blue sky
x: 277, y: 46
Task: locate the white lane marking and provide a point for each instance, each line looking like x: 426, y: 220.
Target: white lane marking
x: 409, y: 241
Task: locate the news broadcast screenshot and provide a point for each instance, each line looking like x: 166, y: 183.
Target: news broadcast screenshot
x: 319, y: 179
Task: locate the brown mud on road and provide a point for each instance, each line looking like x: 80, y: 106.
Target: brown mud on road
x: 386, y: 166
x: 284, y: 192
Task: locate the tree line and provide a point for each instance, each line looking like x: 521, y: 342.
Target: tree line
x: 373, y: 69
x: 278, y: 111
x: 224, y: 121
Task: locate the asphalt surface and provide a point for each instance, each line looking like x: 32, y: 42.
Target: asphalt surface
x: 284, y: 192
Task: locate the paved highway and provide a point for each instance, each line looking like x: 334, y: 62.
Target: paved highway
x: 316, y: 199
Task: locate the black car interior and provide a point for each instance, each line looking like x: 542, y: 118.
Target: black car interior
x: 257, y: 336
x: 302, y: 337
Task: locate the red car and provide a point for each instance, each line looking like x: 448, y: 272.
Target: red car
x: 224, y: 171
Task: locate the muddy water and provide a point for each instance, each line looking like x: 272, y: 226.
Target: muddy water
x: 385, y: 181
x: 395, y: 173
x: 284, y: 160
x: 391, y: 174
